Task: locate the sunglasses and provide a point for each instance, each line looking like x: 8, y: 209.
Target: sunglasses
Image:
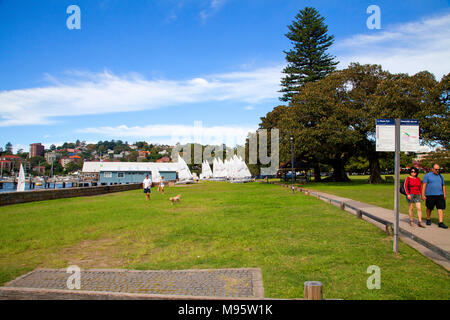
x: 436, y: 169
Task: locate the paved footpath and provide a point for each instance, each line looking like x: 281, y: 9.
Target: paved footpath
x: 243, y: 283
x: 432, y: 241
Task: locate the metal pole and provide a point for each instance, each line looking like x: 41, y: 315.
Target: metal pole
x: 292, y: 162
x: 397, y: 184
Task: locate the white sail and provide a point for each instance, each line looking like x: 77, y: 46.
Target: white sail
x: 183, y: 170
x: 215, y: 168
x: 246, y: 170
x: 228, y: 169
x: 223, y: 169
x: 246, y: 173
x: 156, y: 176
x: 206, y: 171
x: 21, y: 180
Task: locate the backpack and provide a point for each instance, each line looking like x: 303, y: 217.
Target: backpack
x: 402, y: 188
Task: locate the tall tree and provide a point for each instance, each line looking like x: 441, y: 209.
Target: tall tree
x: 8, y: 148
x: 307, y: 60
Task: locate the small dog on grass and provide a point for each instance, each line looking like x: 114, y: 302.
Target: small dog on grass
x: 175, y: 199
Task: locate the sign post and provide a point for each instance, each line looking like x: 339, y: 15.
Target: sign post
x: 396, y: 136
x: 397, y: 184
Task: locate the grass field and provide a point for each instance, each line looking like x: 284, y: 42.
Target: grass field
x: 381, y: 195
x: 218, y: 225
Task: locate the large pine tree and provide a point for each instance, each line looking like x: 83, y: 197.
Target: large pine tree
x: 307, y: 60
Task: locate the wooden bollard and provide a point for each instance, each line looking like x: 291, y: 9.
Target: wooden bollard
x: 342, y: 205
x: 313, y: 290
x: 359, y: 214
x: 389, y: 229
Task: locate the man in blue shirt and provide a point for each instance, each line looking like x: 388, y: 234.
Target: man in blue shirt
x: 433, y: 192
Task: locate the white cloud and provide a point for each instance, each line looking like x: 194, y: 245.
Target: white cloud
x: 171, y: 134
x: 249, y: 108
x: 402, y: 48
x: 85, y: 93
x: 17, y: 147
x: 213, y: 8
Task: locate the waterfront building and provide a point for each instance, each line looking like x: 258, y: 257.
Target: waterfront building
x: 36, y: 149
x: 129, y: 172
x: 10, y: 162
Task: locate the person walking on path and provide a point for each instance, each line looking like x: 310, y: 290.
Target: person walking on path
x: 434, y: 193
x: 413, y: 188
x: 147, y: 184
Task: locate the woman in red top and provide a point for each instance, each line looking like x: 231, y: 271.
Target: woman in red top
x: 413, y: 188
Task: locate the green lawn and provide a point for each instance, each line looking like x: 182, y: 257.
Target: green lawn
x: 380, y: 194
x: 218, y: 225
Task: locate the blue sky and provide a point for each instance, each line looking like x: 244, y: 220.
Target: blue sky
x: 182, y: 70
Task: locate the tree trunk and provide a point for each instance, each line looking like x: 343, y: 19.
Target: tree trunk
x: 317, y: 177
x: 339, y: 174
x: 375, y: 171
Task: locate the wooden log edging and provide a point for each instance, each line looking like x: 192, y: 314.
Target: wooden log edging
x: 313, y: 290
x: 388, y: 225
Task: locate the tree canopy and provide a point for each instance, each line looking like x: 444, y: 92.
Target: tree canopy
x: 307, y: 60
x: 333, y: 119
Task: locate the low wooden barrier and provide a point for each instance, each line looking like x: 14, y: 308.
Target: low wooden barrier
x: 343, y: 205
x: 389, y: 227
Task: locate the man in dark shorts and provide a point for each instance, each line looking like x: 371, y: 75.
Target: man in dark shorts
x: 147, y: 184
x: 434, y: 193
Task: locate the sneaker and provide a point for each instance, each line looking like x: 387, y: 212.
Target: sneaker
x: 442, y: 225
x: 428, y: 222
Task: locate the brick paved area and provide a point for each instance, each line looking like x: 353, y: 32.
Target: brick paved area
x: 233, y: 283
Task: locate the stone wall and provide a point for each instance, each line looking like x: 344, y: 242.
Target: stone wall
x: 7, y: 198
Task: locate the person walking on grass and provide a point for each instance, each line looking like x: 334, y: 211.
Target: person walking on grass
x: 147, y: 184
x: 161, y: 185
x: 434, y: 193
x: 413, y: 188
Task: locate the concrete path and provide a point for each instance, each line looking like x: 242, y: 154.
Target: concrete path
x: 432, y: 241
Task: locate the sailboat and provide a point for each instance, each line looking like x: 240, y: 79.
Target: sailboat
x: 206, y: 171
x: 156, y: 176
x: 184, y: 174
x: 21, y: 179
